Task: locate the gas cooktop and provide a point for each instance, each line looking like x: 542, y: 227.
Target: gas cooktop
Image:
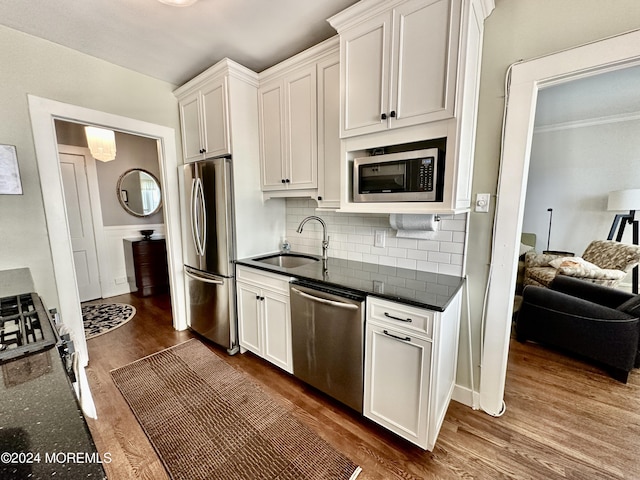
x: 25, y: 326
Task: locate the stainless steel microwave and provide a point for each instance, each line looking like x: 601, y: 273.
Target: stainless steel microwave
x: 414, y: 176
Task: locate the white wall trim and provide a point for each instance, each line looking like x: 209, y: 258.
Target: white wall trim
x: 466, y: 396
x: 43, y: 114
x: 590, y: 122
x: 526, y: 79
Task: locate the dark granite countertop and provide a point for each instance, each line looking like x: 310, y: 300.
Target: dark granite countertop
x: 43, y: 433
x: 422, y: 289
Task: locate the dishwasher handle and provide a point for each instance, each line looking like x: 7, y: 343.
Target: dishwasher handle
x: 349, y: 306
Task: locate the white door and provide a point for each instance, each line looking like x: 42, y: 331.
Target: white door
x: 215, y: 119
x: 271, y: 136
x: 365, y: 53
x: 76, y: 193
x: 192, y: 143
x: 301, y: 128
x: 249, y: 317
x: 277, y: 330
x: 423, y: 83
x: 398, y: 402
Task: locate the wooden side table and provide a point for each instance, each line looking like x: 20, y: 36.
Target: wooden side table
x: 146, y: 262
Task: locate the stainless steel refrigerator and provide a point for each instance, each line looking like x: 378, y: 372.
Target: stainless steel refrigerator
x: 209, y: 251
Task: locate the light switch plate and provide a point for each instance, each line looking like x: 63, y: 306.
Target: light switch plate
x: 482, y: 202
x: 378, y: 241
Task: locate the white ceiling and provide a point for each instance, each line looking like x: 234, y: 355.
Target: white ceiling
x: 177, y: 43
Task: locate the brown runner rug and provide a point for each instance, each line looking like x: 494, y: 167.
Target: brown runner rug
x: 207, y: 420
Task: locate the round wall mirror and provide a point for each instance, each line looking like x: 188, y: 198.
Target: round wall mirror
x: 139, y: 192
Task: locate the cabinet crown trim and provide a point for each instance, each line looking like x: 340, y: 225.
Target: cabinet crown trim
x: 226, y: 66
x: 361, y: 12
x: 366, y: 9
x: 306, y: 57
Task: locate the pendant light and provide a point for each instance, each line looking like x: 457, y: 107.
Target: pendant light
x: 102, y: 143
x: 178, y: 3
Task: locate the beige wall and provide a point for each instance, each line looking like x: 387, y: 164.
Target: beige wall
x: 522, y: 29
x: 42, y: 68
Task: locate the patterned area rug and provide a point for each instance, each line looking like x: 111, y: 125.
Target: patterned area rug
x: 208, y: 420
x: 101, y: 318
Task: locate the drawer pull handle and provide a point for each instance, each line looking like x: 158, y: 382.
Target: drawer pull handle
x: 404, y: 339
x: 408, y: 320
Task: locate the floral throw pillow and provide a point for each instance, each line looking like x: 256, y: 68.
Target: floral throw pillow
x: 573, y: 262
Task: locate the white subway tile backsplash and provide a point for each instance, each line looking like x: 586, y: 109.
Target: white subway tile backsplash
x: 452, y: 247
x: 389, y: 261
x: 438, y: 257
x: 351, y: 237
x: 450, y: 269
x: 408, y: 243
x: 417, y: 254
x: 398, y: 252
x: 407, y: 263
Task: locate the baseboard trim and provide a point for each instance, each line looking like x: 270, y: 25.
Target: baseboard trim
x: 466, y: 396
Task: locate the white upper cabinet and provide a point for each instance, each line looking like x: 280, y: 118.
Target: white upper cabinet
x: 295, y: 122
x: 409, y: 75
x: 288, y: 131
x: 329, y: 132
x: 204, y: 117
x: 399, y: 66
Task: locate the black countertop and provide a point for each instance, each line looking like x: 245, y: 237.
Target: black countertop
x: 422, y: 289
x: 43, y: 433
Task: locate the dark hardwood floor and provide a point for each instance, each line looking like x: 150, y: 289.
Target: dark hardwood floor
x: 565, y: 419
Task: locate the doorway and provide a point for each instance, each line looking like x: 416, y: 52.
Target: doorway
x: 527, y: 78
x: 43, y: 113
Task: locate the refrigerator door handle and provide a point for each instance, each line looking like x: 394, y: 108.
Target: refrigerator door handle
x: 194, y: 217
x: 202, y: 234
x: 202, y: 277
x: 198, y: 215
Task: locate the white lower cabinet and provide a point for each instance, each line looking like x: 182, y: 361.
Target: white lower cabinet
x: 264, y: 320
x: 410, y: 365
x: 397, y: 380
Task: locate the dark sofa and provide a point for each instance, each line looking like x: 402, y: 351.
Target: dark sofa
x: 596, y: 322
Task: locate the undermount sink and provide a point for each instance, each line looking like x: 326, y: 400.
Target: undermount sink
x: 287, y: 260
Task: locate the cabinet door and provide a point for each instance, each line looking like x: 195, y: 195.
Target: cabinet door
x: 329, y: 132
x: 277, y: 330
x: 396, y: 389
x: 192, y: 143
x: 301, y: 133
x: 249, y: 309
x: 423, y: 79
x: 215, y: 124
x: 365, y: 55
x: 271, y: 136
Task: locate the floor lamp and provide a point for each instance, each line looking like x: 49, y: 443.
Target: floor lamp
x: 625, y: 200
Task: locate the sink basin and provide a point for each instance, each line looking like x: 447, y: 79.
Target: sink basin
x: 287, y: 260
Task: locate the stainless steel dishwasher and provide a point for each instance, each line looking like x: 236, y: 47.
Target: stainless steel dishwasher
x: 327, y: 329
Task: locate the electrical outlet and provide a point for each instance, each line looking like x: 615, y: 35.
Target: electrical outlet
x: 378, y: 286
x: 379, y: 238
x: 482, y: 202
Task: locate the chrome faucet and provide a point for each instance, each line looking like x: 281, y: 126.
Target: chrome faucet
x: 325, y: 238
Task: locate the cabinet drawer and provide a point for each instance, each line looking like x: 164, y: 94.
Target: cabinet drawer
x: 272, y: 281
x: 400, y: 316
